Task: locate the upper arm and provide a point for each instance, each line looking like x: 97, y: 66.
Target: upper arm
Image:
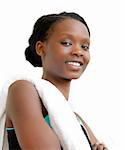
x: 24, y: 110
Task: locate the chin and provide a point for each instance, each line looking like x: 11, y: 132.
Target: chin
x: 74, y: 77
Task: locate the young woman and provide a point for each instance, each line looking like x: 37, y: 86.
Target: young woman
x: 60, y: 45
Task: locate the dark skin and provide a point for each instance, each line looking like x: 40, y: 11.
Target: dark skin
x: 68, y: 43
x: 65, y: 56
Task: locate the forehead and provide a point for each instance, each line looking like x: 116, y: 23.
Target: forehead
x: 70, y: 26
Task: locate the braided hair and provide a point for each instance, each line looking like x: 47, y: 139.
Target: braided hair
x: 40, y: 33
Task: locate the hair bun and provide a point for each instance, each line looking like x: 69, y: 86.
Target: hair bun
x: 32, y: 57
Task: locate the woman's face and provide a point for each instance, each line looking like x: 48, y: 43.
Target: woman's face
x: 66, y: 52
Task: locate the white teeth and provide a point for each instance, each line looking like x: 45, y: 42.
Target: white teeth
x: 74, y: 63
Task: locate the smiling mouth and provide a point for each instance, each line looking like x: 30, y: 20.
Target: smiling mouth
x: 74, y: 63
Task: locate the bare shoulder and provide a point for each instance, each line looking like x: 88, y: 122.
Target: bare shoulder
x: 25, y: 112
x: 22, y: 87
x: 21, y: 94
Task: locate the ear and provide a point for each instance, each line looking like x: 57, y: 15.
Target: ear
x: 40, y: 48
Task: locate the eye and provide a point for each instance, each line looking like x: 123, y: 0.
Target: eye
x: 85, y: 47
x: 66, y: 43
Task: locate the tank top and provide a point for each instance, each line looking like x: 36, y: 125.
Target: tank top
x: 13, y: 142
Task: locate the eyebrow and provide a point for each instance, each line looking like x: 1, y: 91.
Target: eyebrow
x: 85, y: 39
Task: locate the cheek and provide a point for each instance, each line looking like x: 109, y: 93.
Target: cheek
x: 87, y: 58
x: 52, y: 58
x: 56, y: 53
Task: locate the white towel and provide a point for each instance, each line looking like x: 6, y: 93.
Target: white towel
x: 62, y: 117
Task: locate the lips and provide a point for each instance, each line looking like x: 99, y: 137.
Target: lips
x: 74, y: 63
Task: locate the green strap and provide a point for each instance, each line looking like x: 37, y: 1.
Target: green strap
x: 46, y: 119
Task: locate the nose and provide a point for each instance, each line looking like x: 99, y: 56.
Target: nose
x: 77, y: 51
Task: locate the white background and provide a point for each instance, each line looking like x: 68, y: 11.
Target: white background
x: 97, y: 95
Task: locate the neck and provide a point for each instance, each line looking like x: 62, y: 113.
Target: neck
x: 63, y: 85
